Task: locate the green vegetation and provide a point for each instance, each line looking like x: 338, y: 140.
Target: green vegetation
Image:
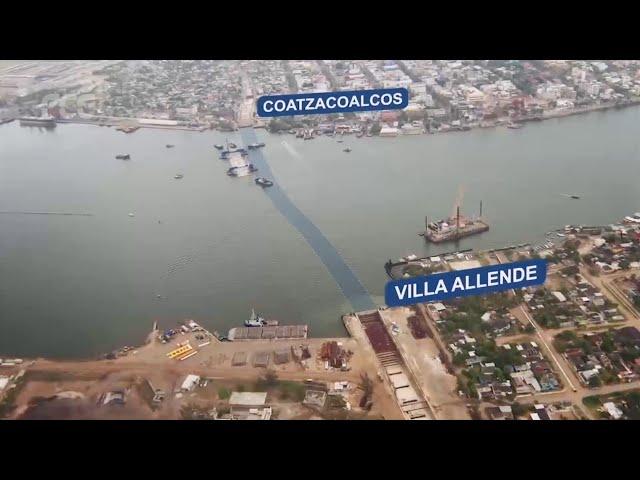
x: 291, y: 391
x: 287, y: 390
x: 375, y: 128
x: 627, y: 401
x: 224, y: 393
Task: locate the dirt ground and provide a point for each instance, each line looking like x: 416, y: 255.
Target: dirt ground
x: 71, y: 389
x: 422, y: 357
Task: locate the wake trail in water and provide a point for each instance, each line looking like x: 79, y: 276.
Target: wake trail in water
x: 292, y: 151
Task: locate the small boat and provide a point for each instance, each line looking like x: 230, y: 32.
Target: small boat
x: 347, y: 150
x: 635, y: 218
x: 178, y: 176
x: 263, y: 182
x: 123, y: 156
x: 360, y: 134
x: 169, y: 145
x: 255, y: 320
x: 218, y: 146
x: 131, y: 215
x: 233, y: 145
x: 255, y: 145
x: 514, y: 125
x: 339, y: 141
x: 575, y: 197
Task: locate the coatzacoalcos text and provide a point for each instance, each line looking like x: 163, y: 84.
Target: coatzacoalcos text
x: 338, y: 101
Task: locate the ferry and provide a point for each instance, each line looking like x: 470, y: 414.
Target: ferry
x: 124, y: 156
x: 263, y: 182
x: 48, y: 122
x: 241, y: 170
x: 255, y: 320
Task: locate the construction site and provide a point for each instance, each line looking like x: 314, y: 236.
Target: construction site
x: 455, y: 227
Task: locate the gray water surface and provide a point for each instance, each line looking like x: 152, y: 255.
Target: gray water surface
x: 79, y: 286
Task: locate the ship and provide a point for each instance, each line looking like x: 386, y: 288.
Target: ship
x: 454, y: 228
x: 263, y: 182
x: 123, y: 156
x: 242, y: 170
x: 255, y: 320
x: 635, y: 218
x: 47, y: 122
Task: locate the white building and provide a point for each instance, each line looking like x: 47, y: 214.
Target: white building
x: 190, y: 383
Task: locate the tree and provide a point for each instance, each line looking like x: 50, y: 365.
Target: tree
x: 595, y: 382
x: 518, y: 409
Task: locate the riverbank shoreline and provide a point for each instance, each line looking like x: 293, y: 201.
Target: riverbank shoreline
x: 134, y: 124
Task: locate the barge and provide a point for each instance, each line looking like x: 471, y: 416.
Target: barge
x: 454, y: 228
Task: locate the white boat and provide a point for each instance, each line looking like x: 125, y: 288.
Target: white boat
x: 255, y: 320
x: 635, y: 218
x: 131, y: 215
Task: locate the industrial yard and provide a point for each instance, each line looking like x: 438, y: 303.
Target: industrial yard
x: 303, y: 379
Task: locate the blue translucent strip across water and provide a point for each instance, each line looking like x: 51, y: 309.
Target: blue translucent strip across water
x: 341, y: 272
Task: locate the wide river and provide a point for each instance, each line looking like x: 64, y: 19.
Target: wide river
x: 214, y: 247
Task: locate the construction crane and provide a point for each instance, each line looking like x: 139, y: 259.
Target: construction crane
x: 457, y: 205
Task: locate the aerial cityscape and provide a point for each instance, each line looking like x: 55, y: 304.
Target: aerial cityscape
x: 168, y: 253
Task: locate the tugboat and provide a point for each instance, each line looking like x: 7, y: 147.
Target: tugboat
x: 178, y: 176
x: 263, y: 182
x: 123, y: 156
x: 169, y: 145
x: 255, y: 320
x: 218, y: 146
